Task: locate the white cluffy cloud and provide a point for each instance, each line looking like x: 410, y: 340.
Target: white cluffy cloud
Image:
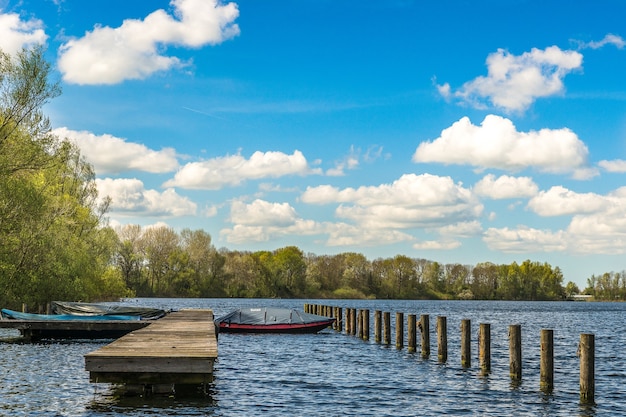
x: 135, y: 50
x: 597, y: 226
x: 16, y: 33
x: 496, y: 143
x: 505, y: 187
x: 262, y: 220
x: 217, y: 173
x: 513, y: 82
x: 109, y: 154
x: 129, y: 197
x: 411, y: 202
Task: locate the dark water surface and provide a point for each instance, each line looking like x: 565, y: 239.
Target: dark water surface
x: 332, y: 374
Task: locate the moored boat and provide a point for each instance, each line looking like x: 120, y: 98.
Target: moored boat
x: 16, y: 315
x: 95, y: 309
x: 271, y: 320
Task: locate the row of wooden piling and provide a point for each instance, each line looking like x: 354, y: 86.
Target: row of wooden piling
x: 357, y: 324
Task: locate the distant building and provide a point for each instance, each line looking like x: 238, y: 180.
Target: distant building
x: 581, y: 297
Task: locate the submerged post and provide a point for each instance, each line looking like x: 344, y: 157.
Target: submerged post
x: 546, y: 368
x: 586, y: 350
x: 425, y: 328
x: 411, y: 319
x: 484, y: 347
x: 442, y: 339
x: 466, y: 343
x: 399, y: 330
x: 515, y: 352
x: 377, y: 325
x: 387, y: 328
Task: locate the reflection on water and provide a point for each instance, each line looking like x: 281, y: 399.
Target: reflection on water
x: 335, y: 374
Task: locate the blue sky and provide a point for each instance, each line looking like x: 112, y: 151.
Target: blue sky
x: 455, y: 131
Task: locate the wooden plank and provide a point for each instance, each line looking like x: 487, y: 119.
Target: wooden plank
x: 179, y: 348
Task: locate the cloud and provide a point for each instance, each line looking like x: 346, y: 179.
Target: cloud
x: 496, y: 143
x: 261, y: 221
x: 129, y: 197
x: 609, y: 39
x: 344, y: 234
x: 524, y: 240
x: 616, y: 165
x: 559, y: 201
x: 505, y: 187
x: 262, y: 212
x: 16, y: 33
x: 513, y: 82
x: 217, y: 173
x: 135, y: 50
x: 412, y: 201
x: 352, y: 160
x: 109, y: 154
x: 598, y: 225
x: 437, y: 245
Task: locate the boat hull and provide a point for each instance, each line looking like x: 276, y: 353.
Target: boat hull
x: 275, y: 328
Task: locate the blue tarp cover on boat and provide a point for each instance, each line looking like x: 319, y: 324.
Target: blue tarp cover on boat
x: 16, y: 315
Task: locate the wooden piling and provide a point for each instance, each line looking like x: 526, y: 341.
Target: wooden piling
x: 387, y: 328
x: 354, y: 321
x: 339, y: 321
x: 484, y: 347
x: 366, y: 324
x: 586, y: 351
x: 546, y: 368
x: 425, y: 329
x: 359, y: 323
x: 377, y: 326
x: 466, y: 343
x: 399, y: 330
x: 515, y: 352
x: 442, y: 339
x: 412, y: 347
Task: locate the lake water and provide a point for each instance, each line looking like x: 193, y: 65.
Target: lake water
x: 333, y: 374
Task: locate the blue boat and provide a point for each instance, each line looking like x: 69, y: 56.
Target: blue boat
x: 16, y: 315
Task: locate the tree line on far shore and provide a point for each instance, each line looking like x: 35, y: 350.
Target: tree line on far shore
x: 56, y: 244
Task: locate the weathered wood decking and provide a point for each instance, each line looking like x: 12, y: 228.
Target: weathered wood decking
x: 177, y: 349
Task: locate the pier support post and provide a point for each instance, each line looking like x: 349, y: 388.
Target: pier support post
x: 442, y: 339
x: 377, y: 325
x: 366, y: 324
x: 411, y: 329
x: 515, y: 352
x: 399, y: 330
x: 359, y: 325
x: 339, y: 317
x: 546, y: 368
x: 353, y: 324
x: 466, y: 343
x: 586, y: 350
x: 484, y: 347
x: 387, y: 328
x: 425, y: 329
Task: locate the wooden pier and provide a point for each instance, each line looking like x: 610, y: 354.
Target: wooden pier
x: 179, y: 349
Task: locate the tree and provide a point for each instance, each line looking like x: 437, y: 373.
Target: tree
x: 159, y: 246
x: 55, y: 242
x: 205, y: 264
